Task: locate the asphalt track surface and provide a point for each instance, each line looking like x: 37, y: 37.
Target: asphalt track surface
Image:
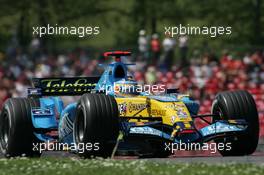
x: 256, y: 158
x: 253, y: 159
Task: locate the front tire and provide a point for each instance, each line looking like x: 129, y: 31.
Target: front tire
x: 160, y: 151
x: 238, y: 105
x: 16, y: 129
x: 96, y: 123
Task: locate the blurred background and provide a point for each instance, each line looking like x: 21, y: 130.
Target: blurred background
x: 197, y: 64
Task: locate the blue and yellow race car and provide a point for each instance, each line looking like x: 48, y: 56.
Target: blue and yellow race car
x: 114, y: 115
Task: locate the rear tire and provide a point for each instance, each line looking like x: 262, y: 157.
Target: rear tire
x: 16, y: 129
x: 96, y: 124
x: 238, y: 105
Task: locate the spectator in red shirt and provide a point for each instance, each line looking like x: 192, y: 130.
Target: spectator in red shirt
x: 155, y: 48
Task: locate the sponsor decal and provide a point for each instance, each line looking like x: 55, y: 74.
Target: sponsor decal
x: 181, y: 113
x: 174, y: 106
x: 40, y: 111
x: 122, y: 107
x: 136, y: 106
x: 145, y: 130
x: 173, y: 119
x: 65, y: 85
x: 157, y: 112
x: 219, y: 127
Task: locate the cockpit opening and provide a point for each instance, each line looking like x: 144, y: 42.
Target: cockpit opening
x: 119, y: 72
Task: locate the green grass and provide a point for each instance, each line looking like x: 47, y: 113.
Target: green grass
x: 64, y: 166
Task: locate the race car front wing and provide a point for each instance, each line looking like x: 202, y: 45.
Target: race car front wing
x: 221, y: 128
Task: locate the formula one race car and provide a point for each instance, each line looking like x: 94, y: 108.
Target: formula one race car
x: 113, y: 116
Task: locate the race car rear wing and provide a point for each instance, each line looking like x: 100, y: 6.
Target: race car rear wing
x: 67, y: 86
